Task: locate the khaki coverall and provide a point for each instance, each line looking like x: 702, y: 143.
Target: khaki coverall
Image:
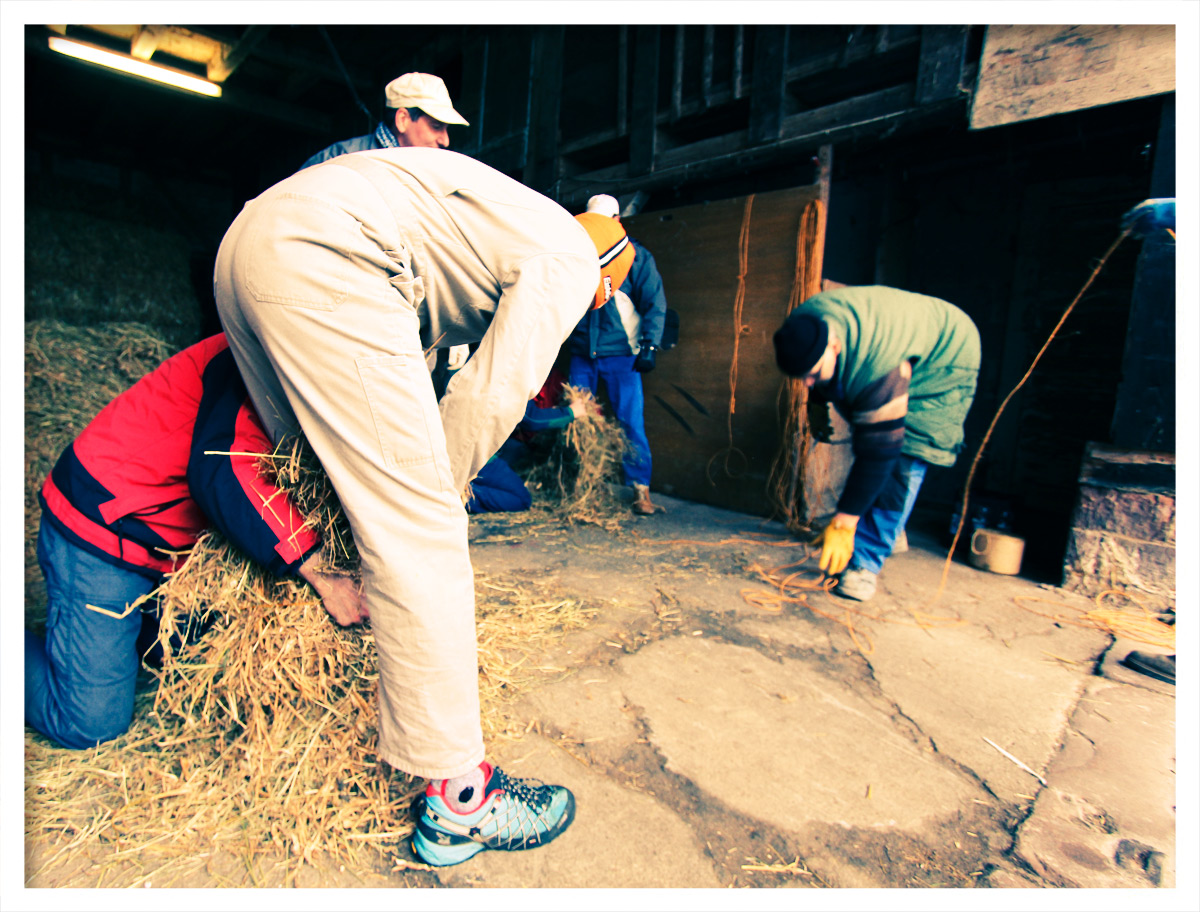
x: 330, y: 285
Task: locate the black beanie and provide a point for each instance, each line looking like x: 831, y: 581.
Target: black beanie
x: 800, y: 342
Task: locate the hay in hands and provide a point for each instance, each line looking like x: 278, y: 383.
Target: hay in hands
x: 294, y: 468
x: 574, y: 481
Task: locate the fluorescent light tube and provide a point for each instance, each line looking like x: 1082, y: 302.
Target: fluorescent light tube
x: 135, y: 67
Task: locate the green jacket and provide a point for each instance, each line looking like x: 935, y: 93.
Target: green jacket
x: 879, y: 327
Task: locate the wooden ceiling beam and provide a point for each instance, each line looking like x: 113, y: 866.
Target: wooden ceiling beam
x: 228, y: 58
x: 145, y: 41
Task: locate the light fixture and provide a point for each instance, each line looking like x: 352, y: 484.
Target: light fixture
x: 166, y: 75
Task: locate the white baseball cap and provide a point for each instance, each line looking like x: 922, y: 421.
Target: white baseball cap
x: 421, y: 90
x: 603, y: 204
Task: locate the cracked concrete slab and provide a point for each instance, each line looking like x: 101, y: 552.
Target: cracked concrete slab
x: 1087, y: 833
x: 783, y: 742
x: 767, y: 750
x: 960, y: 687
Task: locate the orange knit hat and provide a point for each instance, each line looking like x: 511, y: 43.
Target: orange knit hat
x: 614, y: 250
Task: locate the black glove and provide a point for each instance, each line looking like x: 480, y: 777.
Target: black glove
x: 645, y: 359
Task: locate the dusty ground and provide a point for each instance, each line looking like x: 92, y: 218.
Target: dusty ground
x: 715, y: 741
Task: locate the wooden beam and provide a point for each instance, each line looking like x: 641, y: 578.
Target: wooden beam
x: 858, y: 110
x: 228, y: 59
x: 321, y: 65
x: 643, y: 127
x: 706, y: 74
x: 855, y: 48
x: 940, y: 71
x: 712, y: 158
x: 145, y: 41
x: 767, y: 96
x: 623, y: 81
x: 541, y: 164
x: 1030, y: 71
x: 677, y: 72
x: 824, y: 173
x: 888, y: 43
x: 739, y: 61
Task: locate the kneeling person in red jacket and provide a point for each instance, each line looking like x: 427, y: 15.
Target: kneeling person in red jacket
x: 160, y: 464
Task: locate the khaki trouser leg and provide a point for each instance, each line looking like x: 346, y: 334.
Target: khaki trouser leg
x: 315, y: 325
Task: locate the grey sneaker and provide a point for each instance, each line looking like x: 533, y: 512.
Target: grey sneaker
x: 856, y: 584
x: 900, y: 545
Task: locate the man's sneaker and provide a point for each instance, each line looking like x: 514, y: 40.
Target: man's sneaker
x: 856, y: 584
x: 515, y: 814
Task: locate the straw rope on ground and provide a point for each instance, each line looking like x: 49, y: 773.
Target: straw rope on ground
x: 793, y: 583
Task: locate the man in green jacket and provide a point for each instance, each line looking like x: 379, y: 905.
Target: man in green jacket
x: 901, y: 368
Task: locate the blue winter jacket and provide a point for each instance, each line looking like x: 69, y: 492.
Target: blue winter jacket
x: 602, y: 333
x: 381, y: 139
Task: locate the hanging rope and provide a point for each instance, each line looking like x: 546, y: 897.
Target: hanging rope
x: 962, y: 516
x: 791, y: 472
x: 739, y: 328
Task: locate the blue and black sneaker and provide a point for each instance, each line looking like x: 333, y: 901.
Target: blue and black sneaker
x: 514, y: 814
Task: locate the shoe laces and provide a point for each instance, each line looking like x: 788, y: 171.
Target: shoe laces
x: 535, y: 796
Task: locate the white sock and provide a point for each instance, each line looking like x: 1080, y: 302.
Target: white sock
x: 464, y: 793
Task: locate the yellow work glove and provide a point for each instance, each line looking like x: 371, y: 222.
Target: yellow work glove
x: 837, y: 544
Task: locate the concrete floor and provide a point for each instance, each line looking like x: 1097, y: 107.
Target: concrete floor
x: 712, y: 743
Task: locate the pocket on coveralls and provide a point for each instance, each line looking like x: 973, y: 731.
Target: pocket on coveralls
x: 298, y: 253
x: 400, y: 396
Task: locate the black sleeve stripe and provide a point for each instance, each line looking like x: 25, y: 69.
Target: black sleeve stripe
x: 880, y: 394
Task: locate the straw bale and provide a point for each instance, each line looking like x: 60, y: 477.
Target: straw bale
x: 72, y: 256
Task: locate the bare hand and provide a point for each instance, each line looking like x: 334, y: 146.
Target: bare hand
x: 340, y: 595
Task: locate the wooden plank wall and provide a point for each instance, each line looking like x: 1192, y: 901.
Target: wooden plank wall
x: 1030, y: 71
x: 688, y: 395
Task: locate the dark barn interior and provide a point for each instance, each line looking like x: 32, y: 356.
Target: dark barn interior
x: 130, y: 185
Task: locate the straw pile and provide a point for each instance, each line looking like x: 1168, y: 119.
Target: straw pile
x: 574, y: 480
x: 77, y: 240
x: 257, y: 740
x: 71, y: 373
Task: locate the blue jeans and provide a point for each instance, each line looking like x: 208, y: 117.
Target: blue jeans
x: 498, y: 489
x: 879, y: 527
x: 624, y: 386
x: 80, y: 680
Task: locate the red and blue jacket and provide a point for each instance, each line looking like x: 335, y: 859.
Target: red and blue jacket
x: 176, y: 453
